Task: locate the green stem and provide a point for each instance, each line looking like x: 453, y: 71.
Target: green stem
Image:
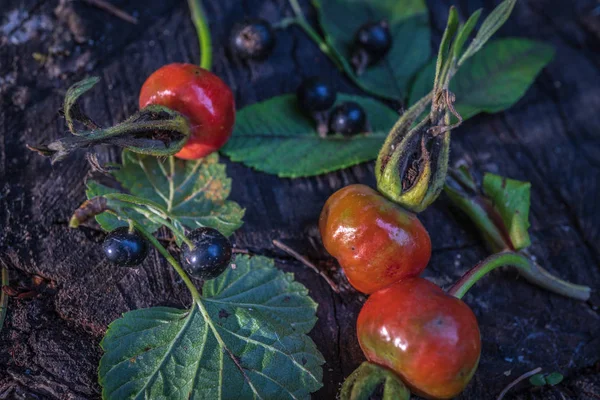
x: 530, y: 270
x: 158, y: 212
x: 297, y: 9
x: 186, y: 279
x: 464, y: 194
x: 139, y: 201
x: 203, y: 31
x: 323, y: 45
x: 3, y: 297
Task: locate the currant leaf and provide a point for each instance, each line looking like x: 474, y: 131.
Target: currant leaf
x: 274, y: 136
x: 244, y: 339
x: 190, y: 194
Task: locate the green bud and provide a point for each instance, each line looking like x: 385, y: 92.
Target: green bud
x: 370, y: 381
x: 412, y: 165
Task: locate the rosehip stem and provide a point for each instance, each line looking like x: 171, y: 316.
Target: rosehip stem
x: 203, y: 32
x: 529, y: 269
x: 3, y: 297
x: 154, y: 130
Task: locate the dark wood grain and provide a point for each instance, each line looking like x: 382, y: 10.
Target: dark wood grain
x: 49, y: 345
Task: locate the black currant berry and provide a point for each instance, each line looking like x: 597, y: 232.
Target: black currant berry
x: 348, y: 119
x: 315, y: 97
x: 314, y: 94
x: 253, y: 39
x: 209, y: 257
x: 371, y: 43
x: 124, y: 248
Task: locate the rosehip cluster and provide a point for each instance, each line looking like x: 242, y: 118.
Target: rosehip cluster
x: 408, y: 325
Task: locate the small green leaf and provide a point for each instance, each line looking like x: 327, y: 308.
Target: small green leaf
x: 511, y: 198
x: 71, y: 108
x: 554, y: 378
x: 490, y: 25
x: 493, y: 79
x: 245, y: 339
x: 537, y: 380
x: 409, y: 25
x: 274, y: 136
x: 192, y: 193
x: 443, y: 62
x: 463, y: 33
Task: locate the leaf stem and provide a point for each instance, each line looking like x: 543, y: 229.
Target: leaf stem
x: 321, y: 43
x: 517, y: 381
x: 307, y: 263
x: 530, y: 270
x: 139, y: 201
x: 158, y: 212
x: 3, y: 297
x: 184, y: 276
x: 203, y: 32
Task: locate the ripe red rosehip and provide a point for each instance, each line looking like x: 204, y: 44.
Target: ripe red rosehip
x: 429, y: 338
x: 376, y: 242
x: 199, y: 95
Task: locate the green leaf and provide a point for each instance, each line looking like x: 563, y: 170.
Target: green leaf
x: 274, y: 136
x: 245, y: 339
x: 490, y: 25
x: 537, y: 380
x: 511, y: 198
x: 71, y: 108
x: 493, y: 79
x: 192, y: 193
x: 463, y: 33
x: 409, y: 25
x: 554, y: 378
x: 442, y: 63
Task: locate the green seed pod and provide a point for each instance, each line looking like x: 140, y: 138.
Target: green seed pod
x: 412, y: 165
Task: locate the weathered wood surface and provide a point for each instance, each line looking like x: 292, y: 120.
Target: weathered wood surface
x: 49, y: 345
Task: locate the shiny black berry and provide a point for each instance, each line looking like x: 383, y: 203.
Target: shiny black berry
x: 209, y: 257
x: 124, y: 248
x: 314, y: 94
x: 348, y: 119
x: 371, y: 43
x: 252, y: 39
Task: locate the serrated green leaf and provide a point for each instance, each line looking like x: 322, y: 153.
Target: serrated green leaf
x: 511, y: 198
x: 493, y: 79
x: 192, y: 193
x: 246, y: 339
x: 409, y: 25
x: 554, y: 378
x: 537, y: 380
x: 274, y: 136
